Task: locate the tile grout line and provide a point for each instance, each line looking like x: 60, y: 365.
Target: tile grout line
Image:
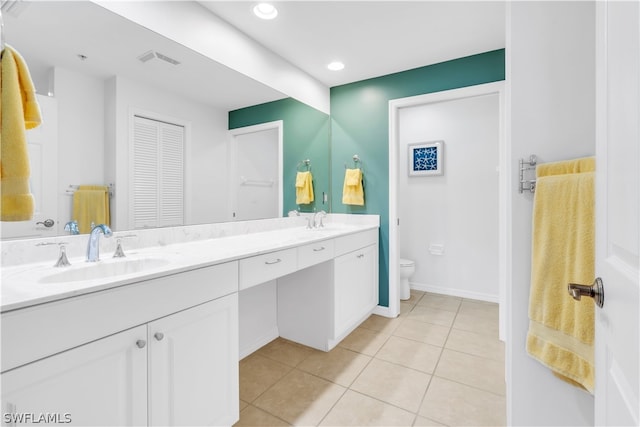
x: 356, y: 378
x: 387, y: 338
x: 266, y: 412
x: 437, y: 362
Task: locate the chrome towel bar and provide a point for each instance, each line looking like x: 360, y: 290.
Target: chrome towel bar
x: 526, y: 166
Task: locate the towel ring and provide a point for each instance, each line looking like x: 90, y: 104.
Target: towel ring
x: 305, y: 162
x: 357, y: 163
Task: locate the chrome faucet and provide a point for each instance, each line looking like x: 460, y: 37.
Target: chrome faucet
x: 93, y: 248
x: 317, y: 224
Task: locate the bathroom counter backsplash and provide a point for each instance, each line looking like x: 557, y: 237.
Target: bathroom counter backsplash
x: 29, y: 251
x: 185, y: 248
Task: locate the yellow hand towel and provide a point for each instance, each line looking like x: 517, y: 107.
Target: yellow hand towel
x: 352, y: 190
x: 304, y: 188
x: 561, y: 330
x: 19, y: 109
x: 91, y: 204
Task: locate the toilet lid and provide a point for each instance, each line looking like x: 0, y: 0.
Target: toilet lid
x: 405, y: 262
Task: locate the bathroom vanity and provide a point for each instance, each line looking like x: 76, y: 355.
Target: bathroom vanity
x: 153, y: 338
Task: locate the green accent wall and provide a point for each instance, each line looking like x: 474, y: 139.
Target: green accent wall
x: 306, y: 136
x: 359, y: 124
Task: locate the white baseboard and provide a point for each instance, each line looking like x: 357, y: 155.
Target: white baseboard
x: 259, y: 342
x: 463, y: 293
x: 383, y: 311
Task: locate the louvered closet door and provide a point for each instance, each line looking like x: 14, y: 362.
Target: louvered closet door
x: 157, y: 174
x: 171, y: 177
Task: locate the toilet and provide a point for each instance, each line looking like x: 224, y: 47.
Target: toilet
x: 407, y: 268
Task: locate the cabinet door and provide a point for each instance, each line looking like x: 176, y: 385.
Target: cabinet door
x: 356, y: 288
x: 100, y: 383
x: 193, y: 365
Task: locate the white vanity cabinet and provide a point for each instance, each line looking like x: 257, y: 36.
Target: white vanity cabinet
x: 193, y: 365
x: 319, y: 305
x: 179, y: 367
x: 355, y: 290
x: 100, y: 383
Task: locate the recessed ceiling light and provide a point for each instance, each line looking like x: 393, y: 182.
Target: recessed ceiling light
x: 265, y: 11
x: 335, y: 66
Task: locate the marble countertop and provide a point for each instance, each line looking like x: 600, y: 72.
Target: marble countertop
x: 27, y: 285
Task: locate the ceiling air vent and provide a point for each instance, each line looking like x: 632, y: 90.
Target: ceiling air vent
x: 148, y: 56
x: 13, y: 7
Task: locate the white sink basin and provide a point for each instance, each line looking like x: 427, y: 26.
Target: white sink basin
x: 104, y: 269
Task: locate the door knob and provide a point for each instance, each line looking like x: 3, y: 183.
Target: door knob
x: 595, y: 291
x: 47, y: 223
x: 158, y: 336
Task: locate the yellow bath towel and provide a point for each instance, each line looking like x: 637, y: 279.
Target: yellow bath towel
x: 19, y: 109
x: 561, y: 330
x: 304, y: 188
x: 352, y: 191
x: 91, y: 204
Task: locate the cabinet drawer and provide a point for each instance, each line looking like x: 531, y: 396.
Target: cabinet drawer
x: 350, y: 243
x: 315, y: 253
x: 262, y: 268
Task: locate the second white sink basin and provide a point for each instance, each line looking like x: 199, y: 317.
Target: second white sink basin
x: 104, y: 269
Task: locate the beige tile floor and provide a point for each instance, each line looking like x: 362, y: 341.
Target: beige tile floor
x: 439, y: 363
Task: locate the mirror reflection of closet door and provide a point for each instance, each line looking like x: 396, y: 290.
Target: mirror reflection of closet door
x: 256, y: 173
x: 43, y: 159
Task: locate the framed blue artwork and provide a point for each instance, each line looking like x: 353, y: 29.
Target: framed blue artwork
x: 426, y: 158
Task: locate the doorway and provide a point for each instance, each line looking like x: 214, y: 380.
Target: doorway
x: 256, y: 171
x: 395, y: 107
x: 42, y: 144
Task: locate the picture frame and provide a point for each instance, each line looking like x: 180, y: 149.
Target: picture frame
x: 426, y: 158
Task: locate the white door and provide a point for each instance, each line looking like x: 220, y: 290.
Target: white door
x: 103, y: 383
x: 256, y: 172
x: 193, y: 366
x: 43, y: 159
x: 617, y: 391
x: 157, y: 174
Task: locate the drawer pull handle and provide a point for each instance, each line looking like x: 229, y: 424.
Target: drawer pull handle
x: 273, y: 262
x: 141, y: 343
x: 361, y: 256
x: 318, y: 250
x: 158, y: 336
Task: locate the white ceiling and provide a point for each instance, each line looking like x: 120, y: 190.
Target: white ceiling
x: 372, y: 38
x: 53, y: 33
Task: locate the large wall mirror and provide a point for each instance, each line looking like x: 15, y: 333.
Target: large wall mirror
x: 94, y: 71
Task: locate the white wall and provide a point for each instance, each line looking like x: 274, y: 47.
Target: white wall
x: 206, y: 163
x: 80, y: 135
x: 458, y: 209
x: 551, y: 103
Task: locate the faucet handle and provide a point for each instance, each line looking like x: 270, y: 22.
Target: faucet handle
x: 72, y: 227
x: 63, y: 261
x: 119, y: 253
